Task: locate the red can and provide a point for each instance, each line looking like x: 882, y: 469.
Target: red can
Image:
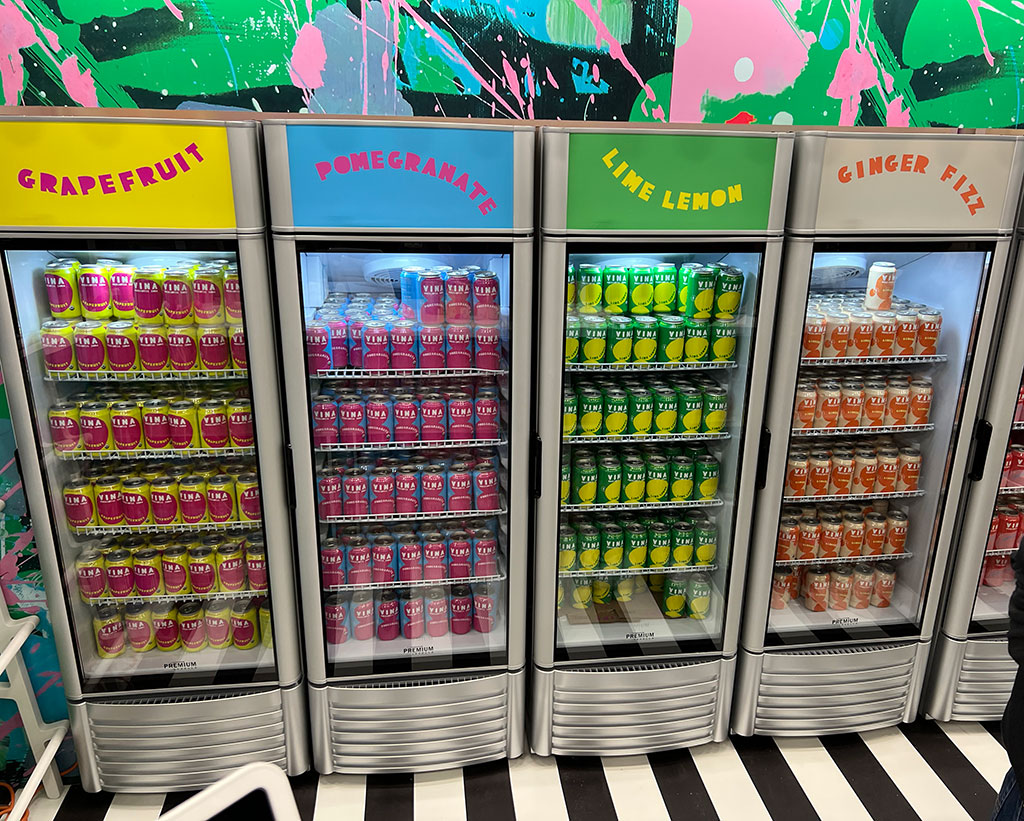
x: 214, y: 351
x: 460, y: 417
x: 384, y: 560
x: 1017, y: 468
x: 387, y: 616
x: 332, y: 563
x: 336, y: 621
x: 325, y: 421
x: 996, y: 571
x: 410, y: 558
x: 432, y: 346
x: 355, y: 493
x: 435, y: 556
x: 236, y: 343
x: 410, y: 603
x: 363, y: 615
x: 355, y: 339
x: 318, y: 347
x: 182, y: 348
x: 177, y: 298
x: 352, y: 418
x: 438, y: 614
x: 359, y: 557
x: 458, y: 346
x: 485, y: 553
x: 328, y: 493
x: 407, y: 489
x: 486, y: 412
x: 339, y: 342
x: 486, y: 304
x: 1009, y: 526
x: 147, y: 293
x: 461, y: 604
x: 485, y: 486
x: 153, y: 349
x: 406, y: 412
x: 376, y: 346
x: 460, y: 555
x: 382, y: 491
x: 433, y: 418
x: 403, y: 345
x: 431, y: 298
x: 433, y: 488
x: 487, y: 348
x: 460, y: 487
x: 457, y: 295
x: 380, y: 420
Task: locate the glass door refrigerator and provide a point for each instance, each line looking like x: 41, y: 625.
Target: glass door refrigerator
x: 970, y: 672
x: 150, y: 442
x: 660, y: 258
x: 896, y: 252
x: 404, y: 276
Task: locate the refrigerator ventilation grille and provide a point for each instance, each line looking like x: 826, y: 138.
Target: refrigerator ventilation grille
x: 843, y: 651
x: 986, y: 678
x: 183, y: 699
x: 430, y: 682
x: 637, y: 668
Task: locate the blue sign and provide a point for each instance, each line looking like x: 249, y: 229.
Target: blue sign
x: 393, y: 177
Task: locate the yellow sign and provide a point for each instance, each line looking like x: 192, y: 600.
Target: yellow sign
x: 115, y: 175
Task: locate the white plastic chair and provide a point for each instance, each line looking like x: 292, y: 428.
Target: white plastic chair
x: 232, y: 788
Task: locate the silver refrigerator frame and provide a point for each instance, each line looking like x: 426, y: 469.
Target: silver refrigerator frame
x: 134, y: 741
x: 690, y: 693
x: 437, y: 719
x: 855, y: 685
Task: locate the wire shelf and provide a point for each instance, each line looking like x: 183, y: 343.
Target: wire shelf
x: 234, y: 595
x: 852, y: 497
x: 113, y: 530
x: 414, y: 517
x: 1012, y: 490
x: 447, y: 444
x: 853, y: 361
x: 871, y: 431
x: 653, y: 437
x: 401, y: 585
x: 352, y: 373
x: 1002, y: 551
x: 1018, y: 425
x: 605, y: 572
x: 640, y: 506
x: 640, y: 367
x: 883, y: 557
x: 144, y: 376
x: 167, y: 453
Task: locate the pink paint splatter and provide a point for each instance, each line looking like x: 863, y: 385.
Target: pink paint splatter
x: 547, y: 72
x: 309, y: 57
x: 79, y: 85
x: 595, y: 72
x: 976, y: 6
x: 512, y: 81
x: 854, y: 73
x: 895, y: 115
x: 173, y: 9
x: 16, y: 33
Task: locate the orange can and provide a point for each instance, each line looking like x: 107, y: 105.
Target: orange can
x: 797, y: 467
x: 863, y: 586
x: 874, y: 535
x: 831, y: 537
x: 818, y: 473
x: 853, y: 535
x: 840, y: 586
x: 837, y: 336
x: 816, y: 589
x: 789, y: 535
x: 851, y: 406
x: 862, y: 332
x: 805, y: 406
x: 906, y: 333
x: 896, y: 527
x: 841, y: 477
x: 780, y: 590
x: 897, y: 404
x: 888, y: 469
x: 883, y: 340
x: 829, y: 400
x: 920, y: 401
x: 814, y: 336
x: 929, y: 324
x: 909, y: 474
x: 874, y: 404
x: 884, y: 582
x: 865, y: 471
x: 808, y: 539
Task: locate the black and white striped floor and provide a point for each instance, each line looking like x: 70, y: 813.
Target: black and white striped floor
x: 926, y: 771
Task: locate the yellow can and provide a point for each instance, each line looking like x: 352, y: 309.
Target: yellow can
x: 247, y: 491
x: 165, y: 626
x: 177, y: 297
x: 163, y: 500
x: 135, y: 502
x: 108, y: 629
x: 94, y: 291
x: 192, y: 500
x: 107, y: 493
x: 80, y: 503
x: 245, y: 627
x: 139, y: 626
x: 220, y: 498
x: 266, y: 628
x: 208, y: 295
x: 61, y: 280
x: 218, y: 623
x: 90, y: 338
x: 65, y: 427
x: 182, y: 418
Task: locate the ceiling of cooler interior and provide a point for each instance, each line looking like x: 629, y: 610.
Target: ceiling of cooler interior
x: 808, y: 62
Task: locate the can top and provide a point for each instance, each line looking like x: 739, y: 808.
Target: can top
x: 118, y: 555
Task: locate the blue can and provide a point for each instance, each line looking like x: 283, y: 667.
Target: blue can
x: 409, y: 283
x: 380, y: 418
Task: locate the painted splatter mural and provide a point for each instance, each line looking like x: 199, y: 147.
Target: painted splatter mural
x: 870, y: 62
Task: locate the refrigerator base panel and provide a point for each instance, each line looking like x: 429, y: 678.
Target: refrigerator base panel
x: 413, y: 725
x: 186, y: 743
x: 834, y: 690
x: 627, y: 710
x: 986, y: 678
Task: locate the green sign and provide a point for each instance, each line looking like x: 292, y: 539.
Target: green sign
x: 669, y: 182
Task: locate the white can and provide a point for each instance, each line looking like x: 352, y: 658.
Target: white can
x: 881, y: 281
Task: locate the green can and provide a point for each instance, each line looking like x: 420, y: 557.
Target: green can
x: 698, y: 335
x: 656, y: 582
x: 657, y: 479
x: 593, y: 339
x: 565, y: 490
x: 566, y: 549
x: 613, y: 543
x: 590, y: 404
x: 705, y: 543
x: 728, y: 293
x: 659, y: 547
x: 582, y: 596
x: 694, y: 452
x: 665, y: 411
x: 673, y: 599
x: 681, y: 471
x: 641, y: 406
x: 698, y: 595
x: 572, y: 339
x: 634, y: 480
x: 671, y: 338
x: 588, y: 553
x: 683, y: 280
x: 714, y: 409
x: 664, y: 280
x: 635, y: 545
x: 683, y: 544
x: 706, y: 477
x: 609, y: 481
x: 616, y: 289
x: 570, y: 286
x: 618, y: 340
x: 722, y: 337
x: 616, y: 412
x: 691, y: 408
x: 645, y: 338
x: 589, y: 289
x: 601, y: 590
x: 570, y: 412
x: 700, y: 293
x: 641, y: 290
x: 584, y: 483
x: 623, y: 588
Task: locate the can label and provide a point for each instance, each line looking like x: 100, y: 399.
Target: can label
x: 459, y: 558
x: 140, y: 634
x: 153, y: 350
x: 214, y: 353
x: 433, y: 491
x: 120, y: 580
x: 126, y: 429
x: 382, y: 493
x: 240, y: 428
x: 177, y: 301
x: 460, y: 419
x: 202, y: 574
x: 122, y: 353
x: 487, y: 347
x: 486, y: 307
x: 458, y: 343
x: 218, y: 631
x: 318, y: 348
x: 412, y: 617
x: 208, y: 300
x: 164, y: 504
x: 352, y: 421
x: 239, y: 352
x: 58, y: 353
x: 356, y: 495
x: 60, y: 293
x: 90, y: 351
x: 193, y: 505
x: 110, y: 639
x: 243, y: 631
x: 407, y: 493
x: 182, y: 349
x: 175, y: 575
x: 435, y: 560
x: 147, y: 579
x: 232, y: 299
x: 403, y: 346
x: 249, y: 503
x: 407, y: 428
x: 213, y: 428
x: 485, y: 488
x: 231, y: 573
x: 256, y: 570
x: 432, y: 344
x: 220, y: 501
x: 460, y: 494
x: 147, y: 294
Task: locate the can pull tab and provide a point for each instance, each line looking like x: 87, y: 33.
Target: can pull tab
x: 765, y: 446
x: 982, y: 438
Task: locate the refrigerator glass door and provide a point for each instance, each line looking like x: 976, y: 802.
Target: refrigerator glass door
x: 136, y: 362
x: 657, y: 345
x: 887, y: 349
x: 408, y: 353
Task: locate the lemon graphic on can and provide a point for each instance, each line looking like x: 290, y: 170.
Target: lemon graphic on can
x: 673, y: 600
x: 613, y: 557
x: 682, y: 488
x: 703, y: 301
x: 622, y: 350
x: 581, y: 595
x: 665, y: 423
x: 696, y: 349
x: 572, y: 348
x: 615, y: 423
x: 590, y: 423
x: 616, y: 289
x: 612, y: 491
x: 715, y: 421
x: 638, y: 557
x: 691, y: 421
x: 658, y: 556
x: 657, y: 490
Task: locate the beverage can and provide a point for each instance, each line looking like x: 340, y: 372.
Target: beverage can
x: 888, y: 469
x: 883, y: 340
x: 590, y: 290
x: 90, y: 346
x: 247, y: 492
x: 906, y: 333
x: 56, y: 338
x: 120, y: 575
x: 95, y: 423
x: 460, y: 416
x: 641, y: 411
x: 853, y: 535
x: 202, y: 569
x: 460, y: 555
x: 640, y: 298
x: 840, y: 481
x: 831, y: 536
x: 840, y: 587
x: 618, y: 339
x: 634, y: 480
x: 65, y: 427
x: 458, y: 346
x: 135, y: 502
x: 700, y: 293
x: 929, y: 325
x: 837, y: 336
x: 213, y: 424
x: 805, y: 406
x: 108, y: 630
x: 881, y: 282
x: 183, y: 425
x: 706, y: 477
x: 382, y: 491
x: 245, y: 625
x: 682, y: 478
x: 815, y: 326
x: 433, y: 488
x: 436, y: 612
x: 673, y: 600
x: 154, y: 350
x: 318, y: 347
x: 217, y: 623
x: 698, y: 339
x: 698, y: 596
x: 207, y: 295
x: 728, y: 293
x: 126, y: 425
x: 657, y: 486
x: 909, y: 471
x: 174, y: 569
x: 163, y: 500
x: 91, y: 571
x: 325, y: 421
x: 457, y: 288
x: 147, y: 573
x: 896, y: 527
x: 182, y: 347
x: 177, y: 296
x: 138, y: 622
x: 232, y: 295
x: 816, y: 584
x: 230, y: 568
x: 166, y: 632
x: 461, y: 606
x: 485, y: 487
x: 61, y: 280
x: 572, y: 339
x: 609, y: 481
x: 241, y: 433
x: 486, y: 410
x: 714, y: 408
x: 672, y: 331
x: 808, y: 541
x: 787, y: 540
x: 920, y: 403
x: 705, y: 543
x: 220, y: 498
x: 861, y: 335
x: 723, y: 340
x: 460, y: 487
x: 407, y: 489
x: 239, y: 351
x: 192, y: 499
x: 874, y: 534
x: 665, y: 412
x: 430, y: 298
x: 645, y: 339
x: 797, y: 470
x: 593, y: 339
x: 589, y: 412
x: 147, y: 293
x: 663, y: 280
x: 884, y: 582
x: 829, y: 402
x: 94, y: 292
x: 214, y: 349
x: 897, y: 404
x: 122, y: 341
x: 875, y: 404
x: 107, y: 490
x: 486, y: 299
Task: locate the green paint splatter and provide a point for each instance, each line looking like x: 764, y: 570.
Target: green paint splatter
x: 568, y: 25
x: 661, y: 85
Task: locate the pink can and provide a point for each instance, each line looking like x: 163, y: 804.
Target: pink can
x: 380, y: 420
x: 339, y: 342
x: 65, y: 431
x: 92, y: 578
x: 148, y: 293
x: 403, y: 345
x: 363, y: 615
x: 163, y: 500
x: 360, y: 561
x: 165, y: 629
x: 384, y: 560
x: 202, y: 569
x: 376, y: 354
x: 318, y: 347
x: 437, y: 612
x: 461, y: 605
x: 410, y: 559
x: 431, y: 347
x: 332, y: 563
x: 382, y: 491
x: 60, y: 292
x: 250, y: 505
x: 411, y: 606
x: 177, y: 298
x: 146, y: 573
x: 406, y: 411
x: 182, y: 348
x: 241, y: 433
x: 460, y: 487
x: 208, y: 299
x: 485, y: 486
x: 487, y: 348
x: 213, y: 423
x: 55, y: 337
x: 433, y: 418
x: 483, y: 609
x: 486, y: 410
x: 355, y: 339
x: 355, y: 492
x: 126, y: 426
x: 431, y: 298
x: 387, y: 616
x: 108, y: 505
x: 239, y: 353
x: 135, y: 501
x: 485, y: 554
x: 433, y: 488
x: 435, y: 557
x: 218, y: 628
x: 457, y: 310
x: 352, y: 418
x: 486, y: 305
x: 230, y: 568
x: 325, y: 421
x: 336, y: 619
x: 460, y: 555
x: 90, y: 345
x: 407, y: 489
x: 153, y: 348
x: 460, y: 417
x: 122, y: 294
x: 458, y: 346
x: 94, y: 291
x: 328, y: 493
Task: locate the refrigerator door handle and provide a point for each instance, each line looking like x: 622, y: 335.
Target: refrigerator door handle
x: 536, y: 470
x: 764, y: 448
x: 982, y: 439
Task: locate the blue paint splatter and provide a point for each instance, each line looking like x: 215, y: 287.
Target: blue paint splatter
x: 583, y: 79
x: 831, y: 34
